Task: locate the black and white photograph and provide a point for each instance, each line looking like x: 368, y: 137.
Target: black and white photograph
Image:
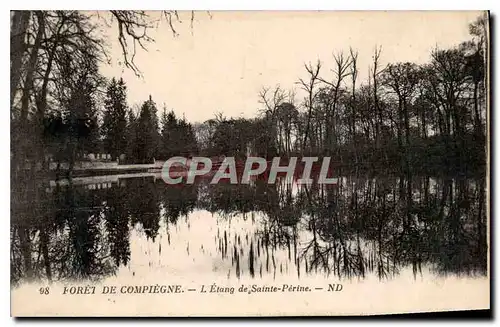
x: 249, y: 163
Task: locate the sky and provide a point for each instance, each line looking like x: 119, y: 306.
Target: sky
x: 222, y: 63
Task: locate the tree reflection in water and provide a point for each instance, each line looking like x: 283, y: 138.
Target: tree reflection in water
x: 364, y: 225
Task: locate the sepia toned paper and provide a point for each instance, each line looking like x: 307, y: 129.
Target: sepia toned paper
x: 398, y: 102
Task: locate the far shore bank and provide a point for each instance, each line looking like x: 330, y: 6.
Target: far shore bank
x: 88, y: 169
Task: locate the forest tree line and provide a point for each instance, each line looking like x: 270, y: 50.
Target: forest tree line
x: 405, y: 115
x: 55, y: 83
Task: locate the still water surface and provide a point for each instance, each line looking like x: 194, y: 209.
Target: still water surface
x: 364, y: 227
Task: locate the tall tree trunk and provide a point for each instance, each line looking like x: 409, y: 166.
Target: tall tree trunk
x: 477, y: 119
x: 30, y: 69
x: 306, y: 134
x: 20, y: 22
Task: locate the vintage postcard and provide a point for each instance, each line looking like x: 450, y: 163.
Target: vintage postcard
x: 249, y: 163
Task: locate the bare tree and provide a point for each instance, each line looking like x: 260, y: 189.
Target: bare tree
x: 309, y: 87
x: 375, y: 78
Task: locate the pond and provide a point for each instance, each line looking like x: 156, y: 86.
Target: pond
x: 382, y: 227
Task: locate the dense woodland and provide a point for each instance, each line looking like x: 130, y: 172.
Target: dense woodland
x: 399, y: 130
x: 405, y: 116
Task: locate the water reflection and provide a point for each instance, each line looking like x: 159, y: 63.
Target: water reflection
x: 90, y: 228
